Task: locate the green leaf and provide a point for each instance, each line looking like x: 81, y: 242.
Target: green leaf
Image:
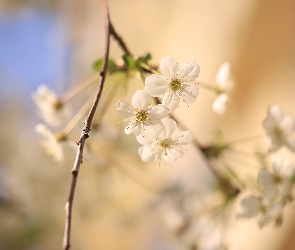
x: 112, y: 66
x: 129, y: 61
x: 147, y: 57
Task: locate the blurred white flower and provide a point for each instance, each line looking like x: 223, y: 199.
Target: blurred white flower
x: 52, y: 143
x: 223, y: 87
x: 264, y: 210
x: 171, y: 84
x: 279, y: 182
x: 140, y: 116
x: 280, y: 128
x: 164, y: 145
x: 52, y: 110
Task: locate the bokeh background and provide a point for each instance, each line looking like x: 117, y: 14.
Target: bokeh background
x: 55, y: 42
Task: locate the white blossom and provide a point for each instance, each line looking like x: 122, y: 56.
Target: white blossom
x: 223, y: 87
x: 171, y: 85
x: 52, y: 143
x: 279, y: 182
x: 164, y: 145
x: 140, y: 116
x: 52, y: 110
x: 280, y: 128
x: 264, y: 210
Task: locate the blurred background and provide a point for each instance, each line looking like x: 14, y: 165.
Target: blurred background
x: 124, y: 203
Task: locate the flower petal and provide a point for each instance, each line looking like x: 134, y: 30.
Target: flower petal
x: 169, y: 155
x: 155, y: 85
x: 149, y: 154
x: 154, y: 128
x: 265, y: 178
x: 170, y: 127
x: 188, y: 72
x: 169, y: 67
x: 141, y: 99
x: 145, y: 140
x: 288, y: 124
x: 125, y: 108
x: 250, y: 207
x: 184, y: 137
x: 189, y: 93
x: 219, y: 104
x: 171, y: 101
x: 133, y: 129
x: 224, y: 77
x: 158, y: 112
x: 283, y: 168
x: 276, y: 113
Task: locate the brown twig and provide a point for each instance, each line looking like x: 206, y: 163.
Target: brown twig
x: 86, y: 129
x: 120, y: 41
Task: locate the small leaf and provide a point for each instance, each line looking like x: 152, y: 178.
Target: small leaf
x: 129, y: 61
x: 112, y: 66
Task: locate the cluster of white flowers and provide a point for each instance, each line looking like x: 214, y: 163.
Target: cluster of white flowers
x: 55, y: 113
x: 150, y: 124
x: 277, y: 188
x: 280, y: 128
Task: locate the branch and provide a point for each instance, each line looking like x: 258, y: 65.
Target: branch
x: 86, y: 129
x: 120, y: 41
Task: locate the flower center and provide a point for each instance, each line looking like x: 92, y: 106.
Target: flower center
x: 58, y: 104
x: 277, y: 179
x: 175, y: 85
x: 142, y: 116
x: 166, y: 143
x: 278, y: 132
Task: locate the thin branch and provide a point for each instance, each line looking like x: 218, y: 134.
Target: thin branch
x: 86, y: 129
x: 120, y: 41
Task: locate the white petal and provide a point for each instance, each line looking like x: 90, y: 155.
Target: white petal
x: 145, y: 140
x: 169, y: 67
x: 158, y: 112
x: 155, y: 85
x: 250, y: 207
x: 149, y: 154
x: 171, y: 101
x: 269, y: 124
x: 188, y: 72
x: 290, y: 143
x: 224, y: 77
x: 219, y: 104
x: 141, y: 99
x: 283, y: 168
x: 177, y: 152
x: 133, y: 129
x: 168, y: 156
x: 189, y: 93
x: 270, y: 193
x: 263, y: 220
x: 154, y: 128
x: 275, y: 209
x: 170, y: 127
x: 288, y: 124
x: 265, y: 178
x: 276, y: 113
x: 124, y: 108
x: 184, y: 137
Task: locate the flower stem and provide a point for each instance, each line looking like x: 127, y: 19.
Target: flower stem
x: 206, y: 86
x: 67, y: 96
x: 247, y: 139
